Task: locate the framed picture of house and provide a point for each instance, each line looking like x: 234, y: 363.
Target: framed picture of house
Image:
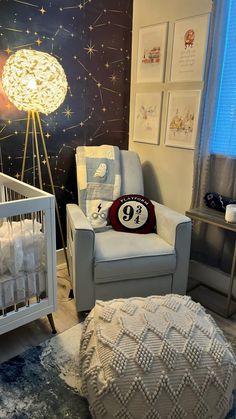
x: 152, y: 53
x: 147, y: 117
x: 189, y: 48
x: 182, y: 118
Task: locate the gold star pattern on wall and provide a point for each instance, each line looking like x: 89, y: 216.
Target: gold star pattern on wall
x: 68, y: 112
x: 90, y: 49
x: 92, y: 41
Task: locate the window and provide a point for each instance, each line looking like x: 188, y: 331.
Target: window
x: 223, y: 141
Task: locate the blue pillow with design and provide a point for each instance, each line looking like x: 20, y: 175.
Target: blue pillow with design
x: 216, y: 201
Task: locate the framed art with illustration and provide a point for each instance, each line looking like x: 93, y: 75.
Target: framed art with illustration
x: 152, y: 53
x: 182, y: 118
x: 147, y: 117
x: 189, y: 48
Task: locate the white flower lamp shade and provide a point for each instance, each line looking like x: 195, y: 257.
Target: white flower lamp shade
x: 34, y: 81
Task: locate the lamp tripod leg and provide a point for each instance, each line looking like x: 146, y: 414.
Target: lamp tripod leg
x: 26, y: 145
x: 53, y: 189
x: 37, y: 151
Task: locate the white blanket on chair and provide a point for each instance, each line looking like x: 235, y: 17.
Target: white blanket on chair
x: 99, y: 181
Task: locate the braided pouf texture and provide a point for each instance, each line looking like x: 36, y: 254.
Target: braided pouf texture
x: 155, y: 357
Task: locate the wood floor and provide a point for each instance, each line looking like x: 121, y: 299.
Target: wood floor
x: 21, y: 339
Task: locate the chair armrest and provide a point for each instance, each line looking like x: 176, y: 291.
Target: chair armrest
x: 175, y: 228
x: 77, y: 218
x: 80, y: 250
x: 168, y: 222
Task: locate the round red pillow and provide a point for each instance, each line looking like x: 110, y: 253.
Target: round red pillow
x: 133, y: 214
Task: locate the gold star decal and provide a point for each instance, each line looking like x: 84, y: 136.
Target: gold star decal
x: 99, y: 85
x: 8, y: 50
x: 42, y: 10
x: 17, y: 175
x: 44, y: 162
x: 39, y: 42
x: 113, y: 78
x: 81, y: 124
x: 68, y: 112
x: 47, y: 135
x: 90, y: 49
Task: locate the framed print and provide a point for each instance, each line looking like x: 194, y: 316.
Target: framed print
x: 182, y: 118
x: 147, y: 117
x: 189, y: 48
x: 151, y: 53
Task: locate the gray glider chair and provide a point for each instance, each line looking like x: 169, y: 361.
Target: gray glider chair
x: 114, y: 264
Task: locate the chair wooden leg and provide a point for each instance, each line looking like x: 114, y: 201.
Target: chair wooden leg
x: 52, y: 324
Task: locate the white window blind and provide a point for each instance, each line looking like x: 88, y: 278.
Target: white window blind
x: 223, y: 141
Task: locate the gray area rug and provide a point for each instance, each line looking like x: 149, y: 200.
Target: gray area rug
x: 43, y: 382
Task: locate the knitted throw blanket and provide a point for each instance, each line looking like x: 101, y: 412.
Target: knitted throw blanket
x: 99, y: 180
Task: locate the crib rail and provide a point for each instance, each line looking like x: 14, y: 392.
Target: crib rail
x: 22, y: 188
x: 27, y: 253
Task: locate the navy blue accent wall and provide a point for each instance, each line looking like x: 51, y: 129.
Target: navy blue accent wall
x: 92, y: 41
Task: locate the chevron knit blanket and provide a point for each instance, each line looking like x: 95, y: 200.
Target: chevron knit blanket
x: 99, y: 180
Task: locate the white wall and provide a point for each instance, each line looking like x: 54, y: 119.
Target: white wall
x: 168, y: 171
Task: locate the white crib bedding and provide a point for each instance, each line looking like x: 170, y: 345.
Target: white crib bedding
x: 14, y: 290
x: 21, y: 246
x: 22, y: 261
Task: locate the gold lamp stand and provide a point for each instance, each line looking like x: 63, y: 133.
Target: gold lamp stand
x: 34, y: 119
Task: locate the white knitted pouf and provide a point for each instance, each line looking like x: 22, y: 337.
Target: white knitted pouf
x: 155, y: 357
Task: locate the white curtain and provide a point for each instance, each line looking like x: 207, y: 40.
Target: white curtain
x: 213, y: 173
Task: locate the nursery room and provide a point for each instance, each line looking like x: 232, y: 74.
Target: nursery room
x: 117, y: 209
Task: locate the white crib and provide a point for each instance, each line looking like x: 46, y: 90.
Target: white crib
x: 27, y: 254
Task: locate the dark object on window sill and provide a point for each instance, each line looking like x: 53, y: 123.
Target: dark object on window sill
x: 216, y: 201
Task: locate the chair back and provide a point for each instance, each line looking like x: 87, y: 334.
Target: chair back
x: 131, y: 173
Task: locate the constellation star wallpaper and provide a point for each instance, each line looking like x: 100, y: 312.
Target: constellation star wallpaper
x: 92, y: 41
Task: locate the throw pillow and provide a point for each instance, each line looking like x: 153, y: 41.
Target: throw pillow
x: 217, y: 201
x: 132, y: 213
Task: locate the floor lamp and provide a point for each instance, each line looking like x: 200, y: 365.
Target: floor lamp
x: 35, y: 82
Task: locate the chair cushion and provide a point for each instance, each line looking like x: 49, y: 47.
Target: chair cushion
x: 120, y: 256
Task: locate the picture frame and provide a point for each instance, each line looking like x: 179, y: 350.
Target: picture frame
x: 189, y: 48
x: 147, y: 117
x: 182, y: 118
x: 152, y: 53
